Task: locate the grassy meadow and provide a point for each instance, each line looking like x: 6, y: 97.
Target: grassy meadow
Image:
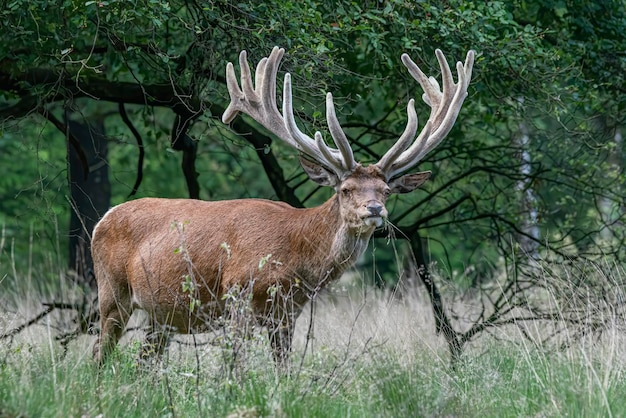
x: 366, y: 354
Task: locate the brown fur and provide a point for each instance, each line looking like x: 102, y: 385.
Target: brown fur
x: 145, y: 249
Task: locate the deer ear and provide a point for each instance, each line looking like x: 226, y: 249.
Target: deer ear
x: 318, y: 174
x: 408, y: 182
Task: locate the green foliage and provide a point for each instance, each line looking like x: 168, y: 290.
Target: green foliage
x: 33, y: 202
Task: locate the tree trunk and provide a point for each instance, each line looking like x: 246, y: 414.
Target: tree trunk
x: 610, y: 210
x: 442, y: 321
x: 181, y: 141
x: 90, y: 193
x: 529, y: 242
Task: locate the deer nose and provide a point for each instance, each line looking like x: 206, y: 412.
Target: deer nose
x: 374, y: 208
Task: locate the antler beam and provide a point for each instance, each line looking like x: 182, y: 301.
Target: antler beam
x: 445, y: 106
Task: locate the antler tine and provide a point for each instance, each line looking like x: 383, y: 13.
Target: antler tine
x: 246, y: 78
x: 405, y: 139
x: 259, y: 102
x: 339, y: 137
x: 329, y: 157
x: 445, y: 106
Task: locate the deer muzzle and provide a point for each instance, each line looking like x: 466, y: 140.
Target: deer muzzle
x: 374, y: 214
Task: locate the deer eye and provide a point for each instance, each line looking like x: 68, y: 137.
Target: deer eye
x: 346, y: 192
x: 387, y: 192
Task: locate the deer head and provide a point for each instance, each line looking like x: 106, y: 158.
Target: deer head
x: 362, y: 191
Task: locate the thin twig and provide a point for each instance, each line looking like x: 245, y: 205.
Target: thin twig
x: 25, y: 325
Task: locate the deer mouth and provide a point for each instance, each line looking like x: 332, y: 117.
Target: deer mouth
x: 373, y: 220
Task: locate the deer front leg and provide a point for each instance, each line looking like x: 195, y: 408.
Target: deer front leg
x: 280, y: 336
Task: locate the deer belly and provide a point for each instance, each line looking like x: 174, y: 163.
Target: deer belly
x: 180, y: 312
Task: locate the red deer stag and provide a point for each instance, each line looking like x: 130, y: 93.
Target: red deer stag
x: 158, y: 254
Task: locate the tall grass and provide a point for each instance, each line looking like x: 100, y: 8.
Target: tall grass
x: 366, y: 355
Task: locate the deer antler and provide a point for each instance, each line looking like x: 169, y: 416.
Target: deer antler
x: 259, y: 102
x: 445, y: 106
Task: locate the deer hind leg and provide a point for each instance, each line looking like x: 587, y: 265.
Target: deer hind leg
x: 115, y: 310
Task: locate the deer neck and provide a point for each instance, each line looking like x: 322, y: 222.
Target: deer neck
x: 338, y: 244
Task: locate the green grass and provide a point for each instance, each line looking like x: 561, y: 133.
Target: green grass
x: 382, y: 360
x: 504, y: 382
